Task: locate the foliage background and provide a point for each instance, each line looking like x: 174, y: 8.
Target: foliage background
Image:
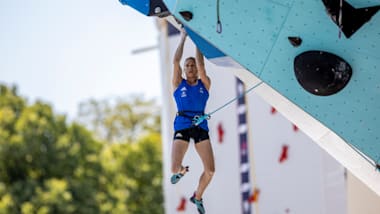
x: 109, y: 161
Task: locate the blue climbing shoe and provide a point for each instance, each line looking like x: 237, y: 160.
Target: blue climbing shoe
x: 177, y: 176
x: 198, y: 203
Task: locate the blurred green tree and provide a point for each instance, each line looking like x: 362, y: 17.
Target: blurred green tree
x: 49, y: 166
x: 120, y: 120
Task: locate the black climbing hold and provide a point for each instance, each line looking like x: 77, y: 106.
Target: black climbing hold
x: 321, y: 73
x: 295, y: 41
x: 351, y: 18
x: 158, y: 8
x: 187, y: 15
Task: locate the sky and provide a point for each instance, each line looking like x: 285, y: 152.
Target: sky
x: 66, y: 52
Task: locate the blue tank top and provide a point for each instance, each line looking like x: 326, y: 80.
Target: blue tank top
x: 191, y: 100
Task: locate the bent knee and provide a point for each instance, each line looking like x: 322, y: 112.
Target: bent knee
x: 210, y: 172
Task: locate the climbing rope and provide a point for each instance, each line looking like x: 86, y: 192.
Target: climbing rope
x: 218, y: 22
x: 198, y: 119
x: 340, y: 18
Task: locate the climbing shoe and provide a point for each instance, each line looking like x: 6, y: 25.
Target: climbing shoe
x: 198, y: 203
x: 177, y: 176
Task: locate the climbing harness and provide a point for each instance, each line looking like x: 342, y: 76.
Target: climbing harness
x: 218, y: 23
x: 194, y: 119
x: 198, y: 119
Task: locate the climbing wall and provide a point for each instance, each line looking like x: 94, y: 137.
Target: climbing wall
x: 286, y: 172
x: 292, y: 174
x: 255, y: 34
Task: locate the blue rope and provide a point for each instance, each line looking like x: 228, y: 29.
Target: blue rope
x: 199, y: 119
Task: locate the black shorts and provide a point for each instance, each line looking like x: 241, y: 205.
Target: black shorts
x: 197, y: 133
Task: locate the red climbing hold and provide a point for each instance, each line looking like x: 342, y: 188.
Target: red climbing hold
x: 284, y: 153
x: 295, y: 128
x: 182, y: 204
x: 273, y: 110
x: 220, y: 133
x: 255, y: 196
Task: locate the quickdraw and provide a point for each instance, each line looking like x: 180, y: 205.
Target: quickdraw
x: 198, y: 119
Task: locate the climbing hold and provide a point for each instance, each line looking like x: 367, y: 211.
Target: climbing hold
x: 182, y: 204
x: 220, y: 132
x: 273, y: 110
x: 148, y: 7
x: 348, y: 18
x: 321, y: 73
x: 295, y: 41
x: 295, y: 128
x: 187, y: 15
x: 158, y: 8
x: 284, y: 154
x: 254, y: 196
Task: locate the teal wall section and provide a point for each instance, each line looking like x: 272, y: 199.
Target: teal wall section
x: 255, y: 35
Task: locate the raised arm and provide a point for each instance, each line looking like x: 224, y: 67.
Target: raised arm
x: 177, y: 70
x: 201, y: 69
